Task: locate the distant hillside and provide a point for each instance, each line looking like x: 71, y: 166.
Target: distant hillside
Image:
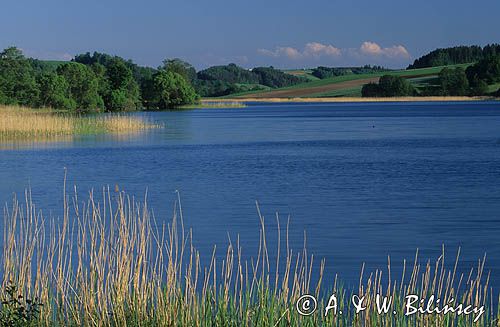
x: 347, y: 85
x: 455, y: 55
x: 228, y: 79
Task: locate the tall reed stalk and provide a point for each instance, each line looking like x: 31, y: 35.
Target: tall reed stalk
x: 109, y: 262
x: 20, y: 123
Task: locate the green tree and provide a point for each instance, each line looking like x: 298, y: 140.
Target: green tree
x: 456, y: 55
x: 487, y: 70
x: 3, y: 98
x: 453, y: 82
x: 124, y: 93
x: 12, y: 53
x: 102, y: 79
x: 17, y: 79
x: 478, y: 86
x: 371, y: 90
x: 180, y: 67
x: 171, y: 90
x: 274, y: 78
x: 54, y: 92
x: 119, y: 74
x: 389, y: 86
x: 119, y: 100
x: 83, y: 86
x: 393, y: 86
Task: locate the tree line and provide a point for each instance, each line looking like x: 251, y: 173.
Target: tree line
x: 101, y: 82
x: 230, y: 79
x: 473, y: 81
x: 322, y: 72
x: 90, y: 83
x: 456, y: 55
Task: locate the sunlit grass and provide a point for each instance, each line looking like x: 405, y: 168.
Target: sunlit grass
x: 18, y: 123
x: 110, y: 262
x: 213, y: 104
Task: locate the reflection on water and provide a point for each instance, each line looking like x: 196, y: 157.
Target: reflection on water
x: 364, y: 180
x: 60, y: 141
x: 37, y: 143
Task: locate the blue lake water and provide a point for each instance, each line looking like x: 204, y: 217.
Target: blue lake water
x: 363, y: 180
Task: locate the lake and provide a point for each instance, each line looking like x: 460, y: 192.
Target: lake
x: 363, y: 180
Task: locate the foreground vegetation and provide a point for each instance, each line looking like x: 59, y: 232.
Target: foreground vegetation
x: 111, y: 263
x: 42, y: 124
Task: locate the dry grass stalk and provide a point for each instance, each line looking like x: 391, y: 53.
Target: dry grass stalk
x: 108, y: 263
x: 19, y: 123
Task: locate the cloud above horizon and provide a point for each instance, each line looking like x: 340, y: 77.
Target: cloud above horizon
x: 316, y: 50
x: 373, y: 49
x: 311, y: 50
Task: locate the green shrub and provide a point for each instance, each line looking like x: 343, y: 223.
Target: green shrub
x: 17, y: 311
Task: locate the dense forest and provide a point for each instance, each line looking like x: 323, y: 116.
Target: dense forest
x: 456, y: 55
x: 473, y: 81
x: 322, y: 72
x: 97, y: 82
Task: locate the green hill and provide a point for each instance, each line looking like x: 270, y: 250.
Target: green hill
x: 345, y: 85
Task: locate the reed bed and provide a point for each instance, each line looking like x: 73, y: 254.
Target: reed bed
x: 211, y: 104
x: 108, y: 262
x: 26, y: 123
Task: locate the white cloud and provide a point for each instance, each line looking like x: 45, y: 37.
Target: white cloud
x: 311, y: 50
x: 373, y: 49
x: 316, y: 49
x: 288, y: 52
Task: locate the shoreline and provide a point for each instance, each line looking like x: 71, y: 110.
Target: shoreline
x: 353, y: 99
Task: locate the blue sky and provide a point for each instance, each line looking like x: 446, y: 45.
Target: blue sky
x: 285, y: 34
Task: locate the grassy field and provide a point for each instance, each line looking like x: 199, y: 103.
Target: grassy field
x: 344, y: 92
x: 494, y: 87
x: 346, y: 85
x: 110, y: 262
x: 26, y: 123
x: 306, y: 73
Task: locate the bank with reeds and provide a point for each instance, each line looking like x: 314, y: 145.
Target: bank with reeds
x: 20, y: 123
x: 111, y: 262
x: 210, y: 104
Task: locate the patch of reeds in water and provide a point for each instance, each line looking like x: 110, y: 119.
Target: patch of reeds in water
x: 110, y: 263
x: 213, y: 104
x: 18, y: 123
